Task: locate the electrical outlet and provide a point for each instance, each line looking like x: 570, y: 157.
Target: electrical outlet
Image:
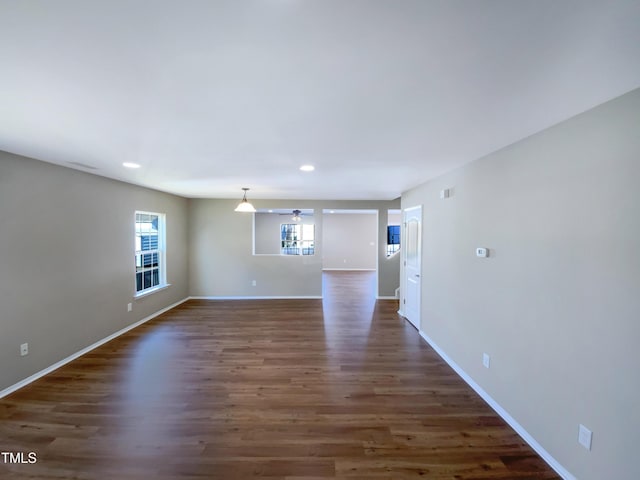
x: 129, y: 307
x: 486, y: 360
x: 24, y: 349
x: 584, y: 437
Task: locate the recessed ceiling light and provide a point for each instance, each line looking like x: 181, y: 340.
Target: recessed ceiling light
x: 332, y: 211
x: 130, y: 165
x: 270, y: 211
x: 307, y: 168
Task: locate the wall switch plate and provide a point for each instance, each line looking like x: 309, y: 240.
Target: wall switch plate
x: 254, y: 283
x: 24, y: 349
x: 584, y: 437
x: 445, y: 193
x: 129, y: 307
x: 486, y: 360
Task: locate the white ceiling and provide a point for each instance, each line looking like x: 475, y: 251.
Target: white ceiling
x: 211, y: 96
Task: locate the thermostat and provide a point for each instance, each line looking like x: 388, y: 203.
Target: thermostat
x: 482, y: 252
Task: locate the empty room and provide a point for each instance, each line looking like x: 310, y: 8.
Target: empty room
x: 319, y: 239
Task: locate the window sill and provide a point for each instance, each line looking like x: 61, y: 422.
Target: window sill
x: 151, y: 291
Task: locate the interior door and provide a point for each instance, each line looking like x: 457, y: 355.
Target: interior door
x: 412, y: 223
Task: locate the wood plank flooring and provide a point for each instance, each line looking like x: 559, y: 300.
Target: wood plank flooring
x: 275, y: 389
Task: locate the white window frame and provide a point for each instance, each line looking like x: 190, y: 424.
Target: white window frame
x: 310, y: 243
x: 160, y: 251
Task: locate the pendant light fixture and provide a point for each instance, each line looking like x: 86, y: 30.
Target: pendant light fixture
x: 244, y: 205
x: 296, y: 216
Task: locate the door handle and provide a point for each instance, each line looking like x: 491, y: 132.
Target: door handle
x: 417, y: 275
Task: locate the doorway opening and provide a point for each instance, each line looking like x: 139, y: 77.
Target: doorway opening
x: 350, y: 245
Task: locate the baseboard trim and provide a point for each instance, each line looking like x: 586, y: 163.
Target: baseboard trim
x: 70, y: 358
x: 386, y: 297
x: 546, y: 456
x: 301, y: 297
x: 348, y: 269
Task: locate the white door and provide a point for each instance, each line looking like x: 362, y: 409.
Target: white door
x: 412, y: 263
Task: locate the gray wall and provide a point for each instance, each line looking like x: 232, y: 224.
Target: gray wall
x: 391, y: 265
x: 221, y: 263
x: 67, y: 264
x: 350, y: 241
x: 557, y: 304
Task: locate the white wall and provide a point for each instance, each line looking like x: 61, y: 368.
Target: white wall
x: 557, y: 304
x: 350, y: 241
x: 67, y: 261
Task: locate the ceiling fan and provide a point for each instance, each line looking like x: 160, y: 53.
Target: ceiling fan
x: 297, y: 215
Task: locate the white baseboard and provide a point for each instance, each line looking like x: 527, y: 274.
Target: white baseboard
x: 348, y: 269
x: 386, y: 297
x: 64, y: 361
x: 302, y: 297
x: 546, y: 456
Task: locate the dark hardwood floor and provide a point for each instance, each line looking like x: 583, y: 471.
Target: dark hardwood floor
x: 278, y: 389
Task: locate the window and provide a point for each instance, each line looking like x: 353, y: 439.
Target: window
x: 150, y: 253
x: 393, y: 239
x: 297, y: 239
